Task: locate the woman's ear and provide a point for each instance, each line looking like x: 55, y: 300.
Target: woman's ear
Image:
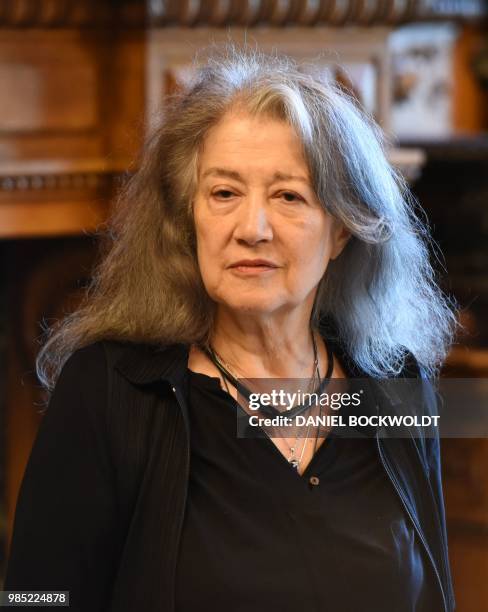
x: 341, y: 236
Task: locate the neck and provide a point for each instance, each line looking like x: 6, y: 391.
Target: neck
x: 270, y: 347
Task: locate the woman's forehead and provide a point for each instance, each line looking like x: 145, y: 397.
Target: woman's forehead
x: 265, y: 146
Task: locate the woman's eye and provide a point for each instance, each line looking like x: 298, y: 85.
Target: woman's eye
x: 291, y: 197
x: 226, y: 194
x: 223, y: 193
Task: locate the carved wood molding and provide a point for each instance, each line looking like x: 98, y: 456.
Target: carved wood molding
x: 53, y: 175
x: 26, y: 182
x: 274, y: 13
x: 53, y: 198
x: 277, y: 13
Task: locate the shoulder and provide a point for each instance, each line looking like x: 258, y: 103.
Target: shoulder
x: 85, y: 379
x: 424, y: 384
x: 88, y: 362
x: 84, y: 368
x: 423, y: 391
x: 79, y: 396
x: 101, y: 354
x: 101, y: 359
x: 127, y: 369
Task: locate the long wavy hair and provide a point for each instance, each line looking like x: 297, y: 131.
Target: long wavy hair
x: 380, y: 292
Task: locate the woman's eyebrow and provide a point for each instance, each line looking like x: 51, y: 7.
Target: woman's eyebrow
x: 233, y: 174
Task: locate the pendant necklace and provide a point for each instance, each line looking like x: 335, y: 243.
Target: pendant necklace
x: 225, y: 370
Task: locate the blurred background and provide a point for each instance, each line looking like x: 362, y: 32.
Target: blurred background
x: 80, y: 84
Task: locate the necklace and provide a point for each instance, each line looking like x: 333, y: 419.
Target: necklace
x: 228, y: 374
x: 292, y: 459
x: 244, y: 391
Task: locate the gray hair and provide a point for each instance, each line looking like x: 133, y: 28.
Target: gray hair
x: 380, y: 292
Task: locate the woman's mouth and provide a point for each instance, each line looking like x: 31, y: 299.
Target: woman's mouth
x: 253, y: 267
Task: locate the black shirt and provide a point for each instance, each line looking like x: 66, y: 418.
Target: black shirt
x: 258, y: 536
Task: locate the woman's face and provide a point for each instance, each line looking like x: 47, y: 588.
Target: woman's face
x: 263, y: 239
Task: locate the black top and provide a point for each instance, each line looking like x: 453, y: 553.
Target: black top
x: 103, y: 495
x: 258, y: 536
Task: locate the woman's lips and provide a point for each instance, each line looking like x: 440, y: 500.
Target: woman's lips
x: 253, y: 268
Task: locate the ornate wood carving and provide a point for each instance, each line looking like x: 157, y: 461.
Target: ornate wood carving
x: 217, y: 13
x: 41, y: 182
x: 52, y: 198
x: 277, y: 13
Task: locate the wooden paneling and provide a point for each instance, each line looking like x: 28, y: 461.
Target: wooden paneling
x: 49, y: 94
x: 70, y: 94
x: 28, y: 220
x: 469, y: 565
x: 71, y: 106
x: 50, y: 103
x: 470, y: 112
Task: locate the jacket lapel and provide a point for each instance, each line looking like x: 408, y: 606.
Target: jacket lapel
x: 407, y: 462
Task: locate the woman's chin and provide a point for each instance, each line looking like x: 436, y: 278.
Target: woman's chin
x: 252, y: 307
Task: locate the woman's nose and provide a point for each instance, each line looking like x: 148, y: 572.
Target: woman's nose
x: 253, y: 223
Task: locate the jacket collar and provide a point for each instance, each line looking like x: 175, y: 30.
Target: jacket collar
x: 146, y: 363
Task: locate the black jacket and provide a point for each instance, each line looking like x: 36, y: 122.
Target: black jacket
x: 101, y: 505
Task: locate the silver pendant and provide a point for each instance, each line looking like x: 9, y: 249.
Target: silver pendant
x: 294, y: 463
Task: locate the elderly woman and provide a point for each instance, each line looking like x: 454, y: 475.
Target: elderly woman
x: 264, y: 235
